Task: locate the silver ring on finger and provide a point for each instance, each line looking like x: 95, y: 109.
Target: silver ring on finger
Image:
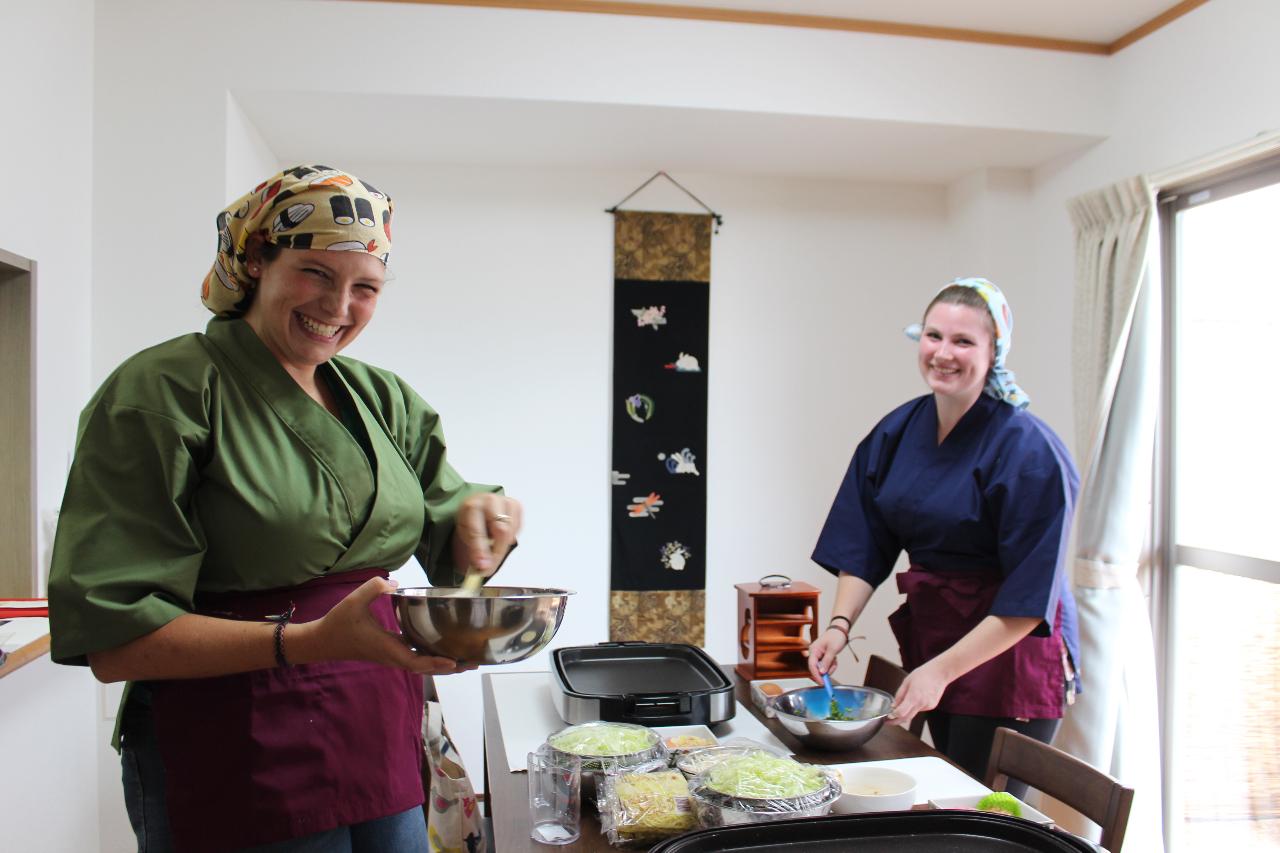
x: 502, y: 518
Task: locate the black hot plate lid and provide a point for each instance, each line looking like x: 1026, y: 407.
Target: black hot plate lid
x: 901, y: 832
x: 621, y: 669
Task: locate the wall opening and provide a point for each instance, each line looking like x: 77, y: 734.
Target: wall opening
x: 18, y: 565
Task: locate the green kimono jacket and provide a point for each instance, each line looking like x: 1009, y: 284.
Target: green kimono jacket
x: 201, y: 466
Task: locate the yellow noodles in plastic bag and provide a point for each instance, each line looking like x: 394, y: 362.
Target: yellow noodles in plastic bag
x: 646, y: 807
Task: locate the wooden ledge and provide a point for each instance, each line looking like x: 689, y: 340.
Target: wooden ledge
x: 25, y: 655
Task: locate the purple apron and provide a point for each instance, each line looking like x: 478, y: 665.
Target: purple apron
x: 280, y: 753
x: 1024, y: 681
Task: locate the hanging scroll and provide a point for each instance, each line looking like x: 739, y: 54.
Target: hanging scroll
x: 662, y: 281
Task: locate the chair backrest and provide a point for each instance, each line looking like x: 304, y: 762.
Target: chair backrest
x: 885, y: 675
x: 1064, y: 777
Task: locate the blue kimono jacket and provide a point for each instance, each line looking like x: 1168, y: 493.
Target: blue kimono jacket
x: 997, y: 495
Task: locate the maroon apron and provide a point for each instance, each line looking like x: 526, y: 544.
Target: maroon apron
x: 1024, y: 681
x: 280, y: 753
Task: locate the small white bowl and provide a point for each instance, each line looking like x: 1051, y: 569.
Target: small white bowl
x: 875, y: 789
x: 970, y: 803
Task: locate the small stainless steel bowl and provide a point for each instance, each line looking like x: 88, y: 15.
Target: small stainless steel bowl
x: 804, y: 712
x: 499, y: 624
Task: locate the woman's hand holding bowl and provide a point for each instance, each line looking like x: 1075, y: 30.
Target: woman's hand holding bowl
x: 350, y: 632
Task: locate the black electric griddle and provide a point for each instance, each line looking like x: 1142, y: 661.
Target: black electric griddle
x: 653, y: 684
x: 902, y: 832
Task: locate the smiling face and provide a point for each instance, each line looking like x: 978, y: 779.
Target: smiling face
x: 956, y: 350
x: 310, y: 304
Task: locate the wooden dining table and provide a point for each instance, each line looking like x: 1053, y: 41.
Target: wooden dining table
x: 507, y: 793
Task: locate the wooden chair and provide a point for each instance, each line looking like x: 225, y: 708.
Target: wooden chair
x: 1065, y: 778
x: 887, y: 676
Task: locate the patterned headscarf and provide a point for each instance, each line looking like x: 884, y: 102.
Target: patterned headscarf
x: 1000, y: 379
x: 306, y: 207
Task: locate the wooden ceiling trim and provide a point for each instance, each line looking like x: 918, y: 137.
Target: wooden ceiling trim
x: 777, y: 19
x: 820, y: 22
x: 1154, y: 24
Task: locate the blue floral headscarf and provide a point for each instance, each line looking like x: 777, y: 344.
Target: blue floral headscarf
x: 1000, y: 380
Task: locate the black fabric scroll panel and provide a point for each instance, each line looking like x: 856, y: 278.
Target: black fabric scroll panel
x: 669, y: 418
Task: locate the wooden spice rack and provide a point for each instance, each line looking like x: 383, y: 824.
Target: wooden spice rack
x: 777, y: 620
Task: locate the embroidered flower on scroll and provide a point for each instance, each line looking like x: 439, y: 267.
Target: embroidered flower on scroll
x: 674, y: 556
x: 653, y: 316
x: 639, y: 407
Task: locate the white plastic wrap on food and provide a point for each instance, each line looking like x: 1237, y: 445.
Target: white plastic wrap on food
x: 759, y: 786
x: 644, y: 808
x: 610, y: 748
x: 696, y: 761
x: 601, y: 744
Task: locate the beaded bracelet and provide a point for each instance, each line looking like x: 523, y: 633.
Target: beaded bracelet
x: 281, y: 621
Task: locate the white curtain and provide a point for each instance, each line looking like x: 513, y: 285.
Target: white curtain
x: 1116, y: 346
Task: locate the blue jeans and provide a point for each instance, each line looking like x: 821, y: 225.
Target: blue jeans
x: 142, y: 772
x: 399, y: 833
x: 143, y: 777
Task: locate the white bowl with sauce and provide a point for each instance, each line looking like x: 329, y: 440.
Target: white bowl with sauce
x: 875, y: 789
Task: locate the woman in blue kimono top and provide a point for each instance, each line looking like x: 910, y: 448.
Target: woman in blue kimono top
x: 980, y: 494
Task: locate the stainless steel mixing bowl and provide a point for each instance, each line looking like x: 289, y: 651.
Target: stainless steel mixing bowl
x: 499, y: 624
x: 804, y: 712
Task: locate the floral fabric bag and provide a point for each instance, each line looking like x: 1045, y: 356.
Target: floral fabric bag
x: 454, y: 824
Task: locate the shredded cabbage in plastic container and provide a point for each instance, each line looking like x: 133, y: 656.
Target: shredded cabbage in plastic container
x: 603, y: 739
x: 763, y: 776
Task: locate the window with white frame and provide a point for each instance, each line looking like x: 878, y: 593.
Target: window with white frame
x: 1220, y: 448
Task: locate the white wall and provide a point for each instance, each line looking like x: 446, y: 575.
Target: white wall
x: 500, y: 316
x: 161, y: 100
x: 46, y: 139
x: 50, y: 803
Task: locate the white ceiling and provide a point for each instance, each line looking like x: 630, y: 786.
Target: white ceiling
x: 1101, y: 21
x: 500, y: 132
x: 436, y: 130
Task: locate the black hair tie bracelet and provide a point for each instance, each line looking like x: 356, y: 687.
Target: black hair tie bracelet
x: 282, y: 620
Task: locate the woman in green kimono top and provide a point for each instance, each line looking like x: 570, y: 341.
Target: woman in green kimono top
x: 235, y: 502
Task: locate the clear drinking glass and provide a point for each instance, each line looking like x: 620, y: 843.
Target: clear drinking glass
x: 555, y: 796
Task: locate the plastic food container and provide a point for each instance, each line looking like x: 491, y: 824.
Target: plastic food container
x: 596, y: 762
x: 714, y: 807
x: 644, y: 808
